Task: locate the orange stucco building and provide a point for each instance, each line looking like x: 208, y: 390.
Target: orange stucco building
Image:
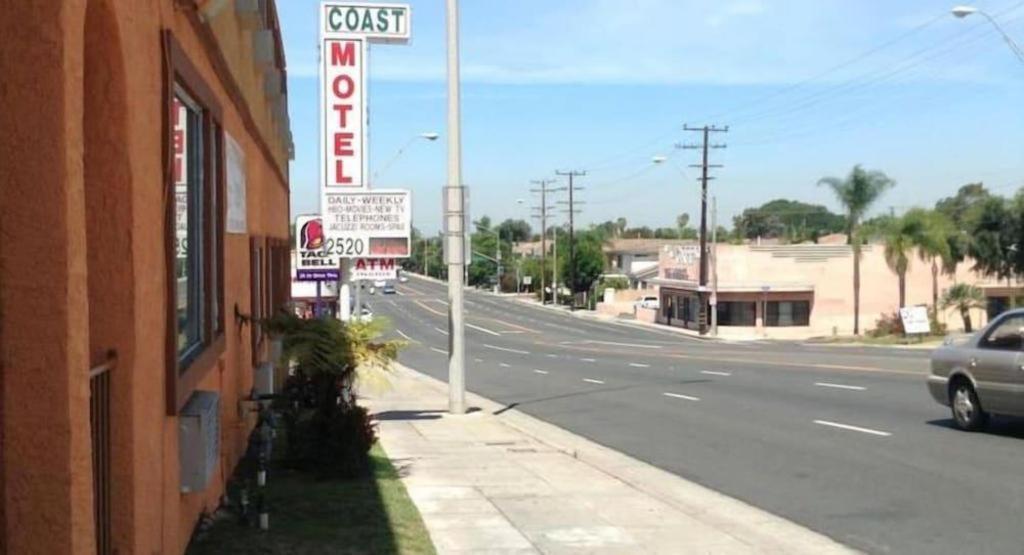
x: 143, y: 217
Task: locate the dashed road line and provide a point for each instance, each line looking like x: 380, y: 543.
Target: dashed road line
x: 478, y: 360
x: 613, y: 343
x: 841, y: 386
x: 552, y: 355
x: 485, y: 330
x: 536, y: 371
x: 428, y: 309
x: 589, y: 380
x: 681, y: 396
x: 714, y: 373
x: 503, y: 365
x: 439, y: 330
x: 436, y: 350
x: 402, y: 333
x: 639, y: 365
x: 853, y: 428
x: 496, y: 348
x: 588, y: 360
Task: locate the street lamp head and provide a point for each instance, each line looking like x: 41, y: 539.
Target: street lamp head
x: 963, y: 11
x: 429, y: 136
x: 659, y: 159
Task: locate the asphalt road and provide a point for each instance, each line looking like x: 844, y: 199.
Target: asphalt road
x: 843, y: 440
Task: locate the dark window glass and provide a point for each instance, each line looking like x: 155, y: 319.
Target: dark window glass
x: 189, y: 229
x: 788, y: 313
x: 1008, y: 335
x: 736, y: 313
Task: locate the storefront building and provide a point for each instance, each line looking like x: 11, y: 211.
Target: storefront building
x: 144, y: 220
x: 802, y: 291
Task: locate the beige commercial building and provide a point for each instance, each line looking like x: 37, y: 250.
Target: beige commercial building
x: 801, y: 291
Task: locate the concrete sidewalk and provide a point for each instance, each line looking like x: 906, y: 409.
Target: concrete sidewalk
x: 509, y: 483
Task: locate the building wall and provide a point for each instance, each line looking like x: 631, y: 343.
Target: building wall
x: 744, y: 269
x: 83, y: 263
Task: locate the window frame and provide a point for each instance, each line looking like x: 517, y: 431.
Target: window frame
x: 771, y: 319
x: 183, y: 375
x: 983, y: 342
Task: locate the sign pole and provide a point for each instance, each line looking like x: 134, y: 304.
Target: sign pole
x: 456, y: 234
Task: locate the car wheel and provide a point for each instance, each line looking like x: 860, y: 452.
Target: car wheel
x: 966, y: 407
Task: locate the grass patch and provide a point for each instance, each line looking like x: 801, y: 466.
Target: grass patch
x: 368, y: 515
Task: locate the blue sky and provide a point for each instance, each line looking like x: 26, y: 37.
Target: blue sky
x: 808, y: 87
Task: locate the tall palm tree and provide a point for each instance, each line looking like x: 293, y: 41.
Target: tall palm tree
x: 964, y: 297
x: 918, y: 230
x: 857, y: 193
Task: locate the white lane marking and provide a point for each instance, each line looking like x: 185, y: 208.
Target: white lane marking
x: 637, y: 345
x: 681, y: 396
x: 439, y: 330
x: 445, y: 303
x: 478, y: 360
x: 588, y: 380
x: 485, y: 330
x: 428, y: 309
x: 436, y: 350
x: 588, y: 360
x: 638, y: 365
x: 503, y: 365
x: 552, y: 356
x: 853, y: 428
x: 402, y: 333
x: 535, y: 371
x: 841, y: 386
x: 392, y: 302
x: 496, y: 348
x: 713, y: 373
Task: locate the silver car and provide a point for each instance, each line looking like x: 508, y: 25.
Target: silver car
x: 982, y: 374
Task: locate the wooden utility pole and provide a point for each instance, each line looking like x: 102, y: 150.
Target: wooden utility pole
x: 704, y: 146
x: 543, y: 216
x: 572, y: 239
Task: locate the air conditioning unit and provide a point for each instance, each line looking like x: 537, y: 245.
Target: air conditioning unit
x: 199, y: 440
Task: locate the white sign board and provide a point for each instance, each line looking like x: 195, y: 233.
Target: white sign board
x: 315, y: 253
x: 368, y: 224
x: 527, y: 280
x: 374, y: 269
x: 343, y: 102
x: 915, y: 319
x: 235, y: 176
x: 389, y: 23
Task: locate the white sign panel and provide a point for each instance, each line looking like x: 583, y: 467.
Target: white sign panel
x: 343, y: 78
x: 368, y: 224
x: 915, y: 319
x: 376, y: 22
x: 315, y: 256
x: 374, y: 269
x: 235, y: 175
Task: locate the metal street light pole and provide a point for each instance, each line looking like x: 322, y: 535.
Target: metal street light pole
x: 455, y: 218
x: 964, y: 11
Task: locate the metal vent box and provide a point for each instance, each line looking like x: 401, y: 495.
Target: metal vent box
x: 199, y: 440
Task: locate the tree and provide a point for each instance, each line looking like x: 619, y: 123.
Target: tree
x: 993, y: 231
x: 515, y: 231
x: 589, y: 262
x: 795, y: 220
x: 642, y: 232
x: 919, y: 230
x: 963, y: 297
x: 620, y: 224
x: 960, y: 209
x: 857, y: 192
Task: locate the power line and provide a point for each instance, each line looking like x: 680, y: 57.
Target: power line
x: 572, y: 241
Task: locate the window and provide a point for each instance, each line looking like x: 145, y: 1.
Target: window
x: 788, y: 313
x: 194, y: 225
x: 736, y: 313
x: 1008, y: 335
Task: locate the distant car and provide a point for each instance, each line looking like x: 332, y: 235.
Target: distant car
x: 403, y: 278
x: 981, y: 374
x: 380, y: 283
x: 650, y: 301
x: 366, y: 315
x: 388, y: 289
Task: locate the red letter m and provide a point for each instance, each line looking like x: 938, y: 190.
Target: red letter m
x: 346, y: 57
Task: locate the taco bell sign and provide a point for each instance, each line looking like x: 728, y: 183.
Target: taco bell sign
x: 315, y: 259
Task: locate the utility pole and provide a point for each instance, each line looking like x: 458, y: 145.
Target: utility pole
x: 455, y: 221
x: 572, y: 240
x: 543, y: 183
x: 704, y: 178
x: 714, y: 266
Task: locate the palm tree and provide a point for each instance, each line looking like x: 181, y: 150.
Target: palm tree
x: 964, y: 297
x: 857, y: 193
x: 917, y: 229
